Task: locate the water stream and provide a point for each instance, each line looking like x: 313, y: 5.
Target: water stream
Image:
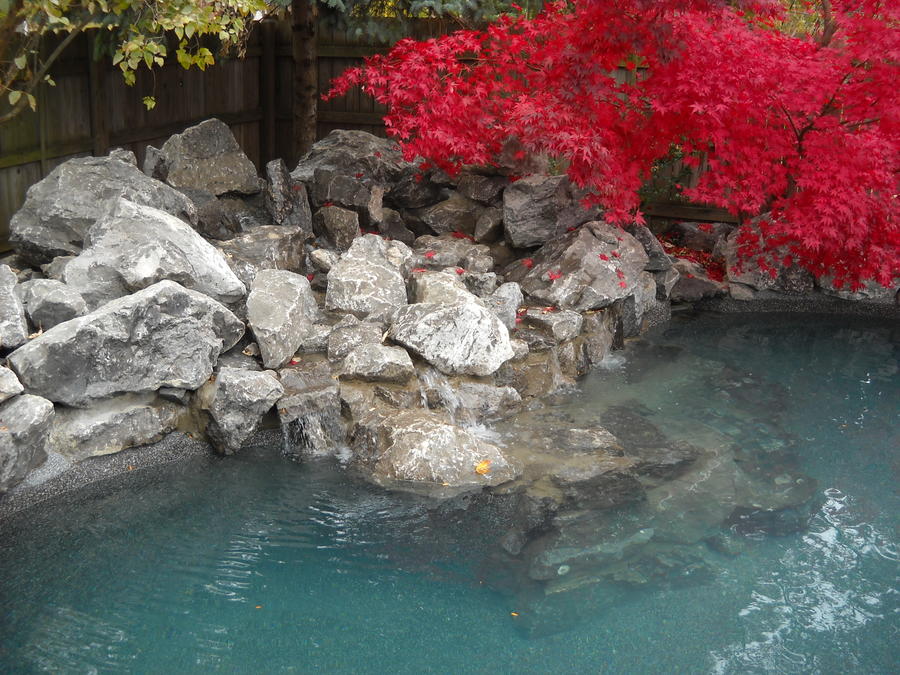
x: 254, y: 563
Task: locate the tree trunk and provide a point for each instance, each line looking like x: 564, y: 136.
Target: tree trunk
x: 306, y: 76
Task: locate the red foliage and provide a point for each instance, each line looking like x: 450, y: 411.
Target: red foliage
x: 713, y: 268
x: 553, y: 276
x: 803, y: 129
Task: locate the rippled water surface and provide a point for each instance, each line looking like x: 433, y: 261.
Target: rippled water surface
x: 257, y: 564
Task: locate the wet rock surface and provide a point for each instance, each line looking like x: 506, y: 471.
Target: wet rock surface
x: 281, y: 310
x: 236, y: 400
x: 24, y: 428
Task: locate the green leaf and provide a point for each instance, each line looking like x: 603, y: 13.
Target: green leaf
x: 32, y: 101
x: 150, y: 102
x: 21, y: 61
x: 14, y: 96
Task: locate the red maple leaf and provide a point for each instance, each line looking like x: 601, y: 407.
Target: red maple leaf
x: 429, y: 254
x: 553, y: 276
x: 603, y: 256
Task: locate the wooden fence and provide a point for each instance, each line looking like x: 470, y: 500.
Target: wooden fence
x: 90, y: 110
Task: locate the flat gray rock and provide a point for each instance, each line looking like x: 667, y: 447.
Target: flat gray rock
x: 349, y: 333
x: 204, y: 157
x: 457, y: 339
x: 281, y: 309
x: 60, y: 209
x: 162, y: 336
x: 377, y: 363
x: 112, y: 425
x: 24, y: 430
x: 236, y: 401
x: 48, y: 302
x: 13, y: 327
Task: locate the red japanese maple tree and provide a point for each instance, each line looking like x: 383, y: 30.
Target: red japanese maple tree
x: 803, y: 130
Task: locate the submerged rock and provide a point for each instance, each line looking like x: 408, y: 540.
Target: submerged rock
x: 132, y: 246
x: 13, y: 328
x: 462, y: 338
x: 281, y: 309
x: 24, y: 430
x: 112, y: 425
x: 204, y: 157
x: 49, y: 302
x: 60, y: 209
x: 236, y: 401
x: 165, y: 335
x: 417, y: 448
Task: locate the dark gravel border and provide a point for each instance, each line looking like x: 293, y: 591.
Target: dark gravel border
x: 56, y: 477
x: 800, y: 304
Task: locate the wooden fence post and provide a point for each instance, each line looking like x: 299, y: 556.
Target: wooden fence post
x: 306, y: 75
x: 267, y: 85
x: 97, y: 89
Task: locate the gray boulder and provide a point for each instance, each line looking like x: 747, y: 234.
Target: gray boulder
x: 462, y: 338
x: 323, y: 259
x: 337, y: 225
x: 204, y: 157
x: 531, y: 207
x: 24, y: 429
x: 367, y: 280
x: 700, y: 236
x: 9, y: 384
x: 589, y: 268
x: 392, y: 226
x: 265, y: 248
x: 349, y: 333
x: 561, y: 325
x: 440, y: 288
x: 377, y: 363
x: 286, y: 201
x: 13, y: 327
x: 489, y: 226
x: 60, y: 209
x: 330, y: 188
x: 351, y: 153
x: 112, y: 425
x: 165, y: 335
x: 235, y: 401
x: 484, y: 189
x: 418, y: 448
x: 48, y: 302
x: 504, y: 303
x: 281, y: 308
x: 693, y: 284
x: 658, y: 260
x: 454, y: 214
x: 450, y: 251
x: 132, y: 246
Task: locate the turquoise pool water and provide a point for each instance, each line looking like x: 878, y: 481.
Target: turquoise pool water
x: 255, y: 564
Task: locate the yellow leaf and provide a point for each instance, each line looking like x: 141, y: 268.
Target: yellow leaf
x: 483, y: 467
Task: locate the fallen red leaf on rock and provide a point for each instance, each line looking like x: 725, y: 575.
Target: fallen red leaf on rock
x: 460, y: 271
x: 417, y: 270
x: 553, y: 276
x: 528, y: 262
x: 429, y: 254
x: 603, y: 256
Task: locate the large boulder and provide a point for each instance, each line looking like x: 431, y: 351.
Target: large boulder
x: 454, y: 251
x: 458, y: 339
x: 132, y: 246
x: 286, y: 201
x: 360, y: 196
x: 9, y: 384
x: 162, y: 336
x: 530, y: 209
x: 337, y: 225
x: 455, y: 214
x: 421, y: 448
x: 24, y: 429
x: 204, y: 157
x: 48, y: 302
x: 60, y: 209
x: 112, y: 425
x: 281, y: 309
x: 589, y: 268
x: 349, y: 333
x: 272, y: 247
x: 235, y: 401
x: 13, y: 327
x: 440, y: 288
x: 353, y: 153
x: 367, y: 281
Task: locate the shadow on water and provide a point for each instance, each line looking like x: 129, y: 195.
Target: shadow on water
x: 719, y: 498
